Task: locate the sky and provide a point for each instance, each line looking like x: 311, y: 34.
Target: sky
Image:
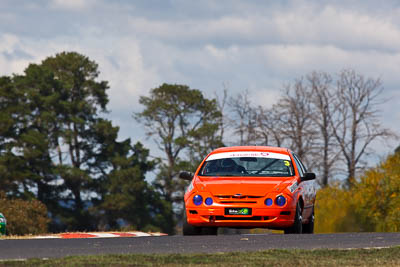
x: 210, y: 45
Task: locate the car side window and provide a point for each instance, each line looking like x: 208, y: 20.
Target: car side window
x: 302, y: 170
x: 302, y: 165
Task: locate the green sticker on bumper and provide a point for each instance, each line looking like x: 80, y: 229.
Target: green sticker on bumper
x: 244, y: 211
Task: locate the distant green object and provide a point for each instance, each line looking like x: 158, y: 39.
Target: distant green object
x: 3, y: 223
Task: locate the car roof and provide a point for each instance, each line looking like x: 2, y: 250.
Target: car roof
x: 281, y: 150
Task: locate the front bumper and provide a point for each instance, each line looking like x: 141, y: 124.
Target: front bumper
x: 274, y: 218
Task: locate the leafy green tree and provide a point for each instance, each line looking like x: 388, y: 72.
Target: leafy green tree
x: 54, y: 146
x: 128, y: 196
x: 48, y: 115
x: 377, y: 196
x: 180, y: 119
x: 25, y: 150
x: 204, y: 140
x: 372, y: 204
x: 35, y: 134
x: 124, y: 193
x: 75, y: 114
x: 9, y: 123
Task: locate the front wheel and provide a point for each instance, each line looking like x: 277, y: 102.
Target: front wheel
x: 309, y: 227
x: 297, y: 227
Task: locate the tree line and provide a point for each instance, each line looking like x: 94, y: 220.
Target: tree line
x: 56, y: 147
x: 329, y: 121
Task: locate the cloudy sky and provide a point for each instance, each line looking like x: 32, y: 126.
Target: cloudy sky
x: 257, y: 45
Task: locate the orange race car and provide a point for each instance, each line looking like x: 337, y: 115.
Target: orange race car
x: 249, y: 187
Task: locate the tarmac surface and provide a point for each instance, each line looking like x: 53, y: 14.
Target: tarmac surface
x: 49, y: 248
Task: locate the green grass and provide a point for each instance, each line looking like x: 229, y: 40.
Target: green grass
x: 320, y: 257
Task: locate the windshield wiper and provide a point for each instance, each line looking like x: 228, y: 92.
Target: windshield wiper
x: 266, y: 166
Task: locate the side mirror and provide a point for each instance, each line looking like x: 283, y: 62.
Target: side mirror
x: 186, y: 175
x: 308, y: 176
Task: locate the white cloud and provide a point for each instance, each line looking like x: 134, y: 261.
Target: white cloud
x: 222, y: 54
x: 8, y: 43
x: 251, y: 45
x: 123, y: 66
x: 265, y: 98
x: 71, y: 4
x: 333, y: 26
x: 349, y: 29
x: 9, y: 63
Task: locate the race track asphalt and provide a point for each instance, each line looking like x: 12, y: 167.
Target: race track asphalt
x: 48, y: 248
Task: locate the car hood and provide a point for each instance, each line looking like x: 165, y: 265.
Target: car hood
x: 244, y: 186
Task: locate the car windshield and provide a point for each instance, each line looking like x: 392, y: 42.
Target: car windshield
x: 247, y: 164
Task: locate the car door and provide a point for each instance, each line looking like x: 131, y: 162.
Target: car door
x: 308, y: 188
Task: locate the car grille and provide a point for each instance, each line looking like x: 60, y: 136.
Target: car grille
x: 226, y: 199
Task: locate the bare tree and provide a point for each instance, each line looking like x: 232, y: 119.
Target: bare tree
x: 243, y: 118
x: 222, y: 104
x: 357, y: 125
x: 296, y: 121
x: 322, y: 93
x: 269, y: 128
x: 324, y: 120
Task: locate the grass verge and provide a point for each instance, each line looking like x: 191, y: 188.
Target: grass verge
x: 319, y: 257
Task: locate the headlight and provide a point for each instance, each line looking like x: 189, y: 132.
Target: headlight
x: 268, y: 202
x: 208, y: 201
x: 280, y: 201
x: 197, y: 200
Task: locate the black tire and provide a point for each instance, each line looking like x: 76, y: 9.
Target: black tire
x: 210, y: 231
x: 308, y: 228
x: 297, y: 227
x: 189, y: 229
